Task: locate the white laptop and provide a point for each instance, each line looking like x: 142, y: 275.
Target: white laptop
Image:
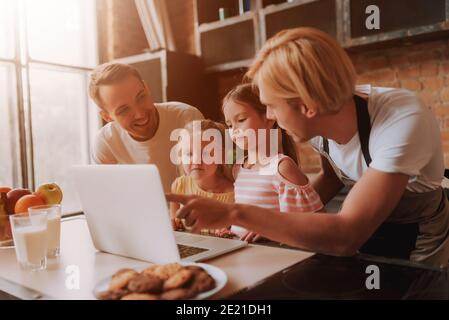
x: 127, y: 215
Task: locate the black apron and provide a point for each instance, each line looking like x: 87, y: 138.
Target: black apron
x: 418, y: 228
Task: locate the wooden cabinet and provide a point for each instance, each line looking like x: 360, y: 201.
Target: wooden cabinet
x: 222, y: 45
x: 400, y: 21
x: 171, y: 76
x: 318, y: 14
x: 232, y: 43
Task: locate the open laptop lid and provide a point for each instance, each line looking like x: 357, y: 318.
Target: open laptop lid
x: 126, y: 211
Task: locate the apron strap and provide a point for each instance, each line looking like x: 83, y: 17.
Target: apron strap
x: 326, y: 146
x: 363, y: 127
x: 446, y: 173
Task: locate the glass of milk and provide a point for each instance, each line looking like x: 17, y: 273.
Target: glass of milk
x: 53, y: 212
x: 30, y: 240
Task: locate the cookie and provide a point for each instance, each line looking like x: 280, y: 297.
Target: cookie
x: 194, y: 269
x: 121, y: 278
x: 178, y: 280
x: 112, y: 294
x: 145, y: 283
x: 178, y: 294
x: 202, y: 282
x: 165, y: 271
x: 140, y: 296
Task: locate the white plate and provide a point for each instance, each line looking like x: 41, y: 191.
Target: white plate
x: 216, y: 273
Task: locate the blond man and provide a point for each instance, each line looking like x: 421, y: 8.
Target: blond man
x: 137, y: 130
x: 382, y: 142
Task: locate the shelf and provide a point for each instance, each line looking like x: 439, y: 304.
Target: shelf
x: 273, y: 8
x: 207, y: 10
x: 435, y: 31
x: 229, y: 66
x: 142, y: 57
x: 413, y: 14
x: 267, y: 3
x: 225, y: 45
x: 205, y: 27
x: 418, y: 21
x: 320, y: 14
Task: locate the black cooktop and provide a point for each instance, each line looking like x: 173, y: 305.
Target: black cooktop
x: 325, y: 277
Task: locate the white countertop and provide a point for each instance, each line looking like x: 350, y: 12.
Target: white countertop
x: 243, y: 267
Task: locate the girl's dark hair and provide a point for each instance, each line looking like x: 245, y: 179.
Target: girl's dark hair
x: 249, y: 94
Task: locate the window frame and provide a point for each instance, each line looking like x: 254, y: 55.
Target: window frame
x: 22, y: 63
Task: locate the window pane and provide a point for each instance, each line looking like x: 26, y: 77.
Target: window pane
x: 62, y: 31
x: 9, y: 142
x: 59, y: 128
x: 6, y: 28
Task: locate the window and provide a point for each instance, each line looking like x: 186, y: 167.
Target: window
x: 47, y: 49
x: 6, y: 29
x: 9, y: 151
x: 61, y: 31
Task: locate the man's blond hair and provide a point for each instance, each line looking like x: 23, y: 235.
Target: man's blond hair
x: 109, y: 73
x: 308, y: 64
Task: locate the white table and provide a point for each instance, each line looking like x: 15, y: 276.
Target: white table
x: 244, y: 267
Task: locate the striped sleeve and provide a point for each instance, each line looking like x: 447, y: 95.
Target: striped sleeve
x: 294, y: 198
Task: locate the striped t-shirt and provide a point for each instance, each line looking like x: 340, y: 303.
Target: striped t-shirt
x: 273, y: 191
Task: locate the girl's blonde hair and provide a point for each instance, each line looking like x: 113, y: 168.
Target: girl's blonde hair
x: 248, y: 94
x: 308, y: 64
x: 206, y: 124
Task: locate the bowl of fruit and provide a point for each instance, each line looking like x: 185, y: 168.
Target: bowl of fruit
x: 17, y: 201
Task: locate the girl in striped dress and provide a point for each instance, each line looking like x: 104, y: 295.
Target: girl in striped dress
x: 269, y: 180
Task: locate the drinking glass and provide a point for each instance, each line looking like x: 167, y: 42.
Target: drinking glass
x: 30, y: 240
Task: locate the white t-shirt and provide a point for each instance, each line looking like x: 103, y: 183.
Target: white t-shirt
x: 405, y: 138
x: 114, y: 145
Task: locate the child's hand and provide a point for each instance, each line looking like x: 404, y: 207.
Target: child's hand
x: 201, y: 213
x: 251, y: 237
x: 177, y: 224
x: 224, y: 233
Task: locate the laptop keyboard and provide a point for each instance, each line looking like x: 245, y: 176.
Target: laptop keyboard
x: 187, y: 251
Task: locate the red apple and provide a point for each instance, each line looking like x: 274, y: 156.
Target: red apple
x: 13, y: 196
x: 50, y: 193
x: 3, y: 202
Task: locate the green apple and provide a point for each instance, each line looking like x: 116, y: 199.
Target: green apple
x: 50, y: 193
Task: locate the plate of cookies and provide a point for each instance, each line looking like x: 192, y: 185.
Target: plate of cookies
x: 172, y: 281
